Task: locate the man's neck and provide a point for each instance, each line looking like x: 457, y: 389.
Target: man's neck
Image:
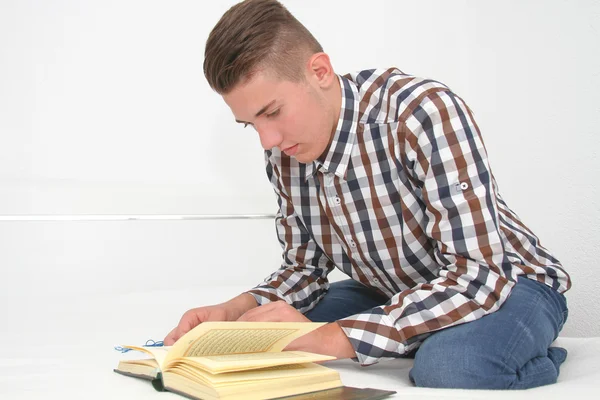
x: 335, y: 99
x: 336, y: 102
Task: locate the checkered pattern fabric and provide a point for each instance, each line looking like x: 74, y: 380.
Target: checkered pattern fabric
x: 404, y: 202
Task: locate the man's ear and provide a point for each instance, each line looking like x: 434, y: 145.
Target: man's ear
x: 320, y: 70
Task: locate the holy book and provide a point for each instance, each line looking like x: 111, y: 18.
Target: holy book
x: 235, y: 360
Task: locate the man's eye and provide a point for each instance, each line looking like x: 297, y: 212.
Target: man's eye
x: 273, y: 114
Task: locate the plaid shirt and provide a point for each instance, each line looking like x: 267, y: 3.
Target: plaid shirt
x: 404, y: 202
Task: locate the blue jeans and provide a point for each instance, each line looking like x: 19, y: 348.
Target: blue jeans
x: 508, y: 349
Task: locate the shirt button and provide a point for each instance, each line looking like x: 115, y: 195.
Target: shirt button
x: 352, y: 244
x: 464, y: 185
x: 375, y: 280
x: 337, y: 200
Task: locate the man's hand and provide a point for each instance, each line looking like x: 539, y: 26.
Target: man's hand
x: 277, y: 311
x: 329, y: 339
x: 228, y: 311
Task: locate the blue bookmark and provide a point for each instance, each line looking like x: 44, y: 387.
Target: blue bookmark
x: 149, y: 343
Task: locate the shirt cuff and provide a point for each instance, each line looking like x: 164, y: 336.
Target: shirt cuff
x: 374, y: 336
x: 265, y: 295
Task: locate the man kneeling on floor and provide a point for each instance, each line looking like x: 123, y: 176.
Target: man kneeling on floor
x: 384, y: 176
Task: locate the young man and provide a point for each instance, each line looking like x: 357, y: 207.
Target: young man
x: 384, y: 176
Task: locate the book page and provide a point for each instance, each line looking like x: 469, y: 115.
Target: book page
x: 135, y: 354
x: 264, y: 384
x: 236, y: 341
x: 218, y: 338
x: 276, y: 372
x: 158, y: 353
x: 243, y: 362
x: 228, y: 358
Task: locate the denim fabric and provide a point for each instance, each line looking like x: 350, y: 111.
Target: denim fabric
x: 508, y: 349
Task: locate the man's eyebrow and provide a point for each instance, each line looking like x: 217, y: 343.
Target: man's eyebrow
x: 265, y: 108
x: 259, y: 113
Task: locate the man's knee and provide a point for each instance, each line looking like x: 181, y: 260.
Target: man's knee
x: 450, y: 360
x: 466, y: 366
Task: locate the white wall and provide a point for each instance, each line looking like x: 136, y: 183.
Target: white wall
x: 104, y: 110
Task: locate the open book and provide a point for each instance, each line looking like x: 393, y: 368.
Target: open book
x: 235, y: 360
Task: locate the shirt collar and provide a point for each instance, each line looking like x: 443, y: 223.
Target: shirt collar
x: 337, y: 157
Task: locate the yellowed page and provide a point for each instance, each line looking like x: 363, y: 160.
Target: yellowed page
x: 243, y: 362
x: 254, y: 388
x: 277, y: 372
x: 159, y: 353
x: 139, y: 367
x: 217, y: 338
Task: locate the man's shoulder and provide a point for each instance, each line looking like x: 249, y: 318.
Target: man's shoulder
x: 389, y: 81
x: 385, y: 95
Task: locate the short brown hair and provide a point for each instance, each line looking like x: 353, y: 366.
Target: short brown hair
x: 256, y: 34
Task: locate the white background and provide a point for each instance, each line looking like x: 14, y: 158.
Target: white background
x: 104, y: 110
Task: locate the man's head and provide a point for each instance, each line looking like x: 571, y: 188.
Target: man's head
x: 273, y: 75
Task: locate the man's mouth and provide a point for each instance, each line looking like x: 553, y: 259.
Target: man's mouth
x: 290, y: 151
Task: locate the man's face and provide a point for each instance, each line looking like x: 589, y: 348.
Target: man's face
x: 293, y: 116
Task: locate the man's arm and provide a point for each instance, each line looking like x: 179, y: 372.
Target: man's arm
x: 301, y: 281
x: 329, y: 339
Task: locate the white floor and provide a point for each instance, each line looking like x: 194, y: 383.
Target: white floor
x: 62, y: 348
x: 71, y: 291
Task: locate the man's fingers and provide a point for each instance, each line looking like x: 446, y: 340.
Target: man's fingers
x: 194, y: 317
x: 258, y: 313
x: 189, y: 321
x: 184, y: 326
x: 171, y: 338
x: 268, y: 312
x: 264, y: 315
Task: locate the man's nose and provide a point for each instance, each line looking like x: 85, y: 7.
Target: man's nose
x: 269, y: 137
